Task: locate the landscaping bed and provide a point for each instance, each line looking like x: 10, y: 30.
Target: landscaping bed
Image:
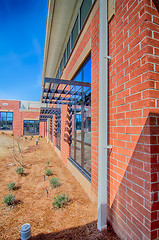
x: 34, y: 194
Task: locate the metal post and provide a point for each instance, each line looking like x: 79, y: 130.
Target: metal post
x: 47, y: 130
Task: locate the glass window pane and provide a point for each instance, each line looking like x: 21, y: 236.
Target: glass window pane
x: 87, y: 158
x: 87, y: 71
x: 9, y: 115
x: 80, y: 150
x: 6, y: 120
x: 74, y: 32
x: 78, y: 122
x: 31, y: 127
x: 3, y: 115
x: 85, y: 8
x: 68, y: 49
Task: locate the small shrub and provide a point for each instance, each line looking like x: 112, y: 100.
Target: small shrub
x: 41, y: 136
x: 32, y: 136
x: 11, y: 186
x: 60, y: 200
x: 20, y: 170
x: 48, y: 163
x: 21, y: 135
x: 9, y: 199
x: 2, y: 132
x: 48, y: 172
x: 55, y: 182
x: 12, y: 134
x: 25, y: 137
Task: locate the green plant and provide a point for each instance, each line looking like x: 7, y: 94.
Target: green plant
x: 48, y: 172
x: 41, y: 136
x: 55, y: 182
x: 11, y: 186
x: 9, y: 199
x: 48, y: 163
x: 25, y: 137
x: 2, y: 132
x: 20, y: 170
x: 60, y: 200
x: 12, y: 134
x: 21, y: 135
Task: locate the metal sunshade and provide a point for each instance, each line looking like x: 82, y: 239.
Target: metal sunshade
x: 46, y: 112
x: 58, y: 91
x: 43, y: 118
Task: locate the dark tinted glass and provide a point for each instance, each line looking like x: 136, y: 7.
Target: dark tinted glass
x: 86, y: 6
x: 74, y: 33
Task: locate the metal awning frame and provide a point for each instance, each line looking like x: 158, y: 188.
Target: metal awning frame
x: 59, y: 91
x: 47, y: 112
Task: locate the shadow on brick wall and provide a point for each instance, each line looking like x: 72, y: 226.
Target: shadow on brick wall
x: 133, y: 211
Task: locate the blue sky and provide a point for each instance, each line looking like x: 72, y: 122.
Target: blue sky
x: 22, y: 36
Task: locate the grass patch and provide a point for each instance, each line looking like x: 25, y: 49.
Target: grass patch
x: 11, y: 186
x: 60, y: 200
x: 54, y: 182
x: 9, y: 199
x: 48, y: 172
x: 20, y: 170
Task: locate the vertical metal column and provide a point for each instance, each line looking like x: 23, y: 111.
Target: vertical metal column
x: 82, y: 134
x: 75, y: 134
x: 47, y: 130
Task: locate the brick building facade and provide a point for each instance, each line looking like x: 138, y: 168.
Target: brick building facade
x: 23, y: 112
x: 133, y: 105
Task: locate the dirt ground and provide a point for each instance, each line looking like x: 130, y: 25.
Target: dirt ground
x: 77, y: 220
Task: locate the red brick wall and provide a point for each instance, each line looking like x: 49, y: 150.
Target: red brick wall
x: 133, y: 163
x: 94, y: 101
x: 133, y: 96
x: 18, y: 115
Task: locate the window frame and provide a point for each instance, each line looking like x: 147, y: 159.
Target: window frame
x: 6, y: 120
x: 34, y: 133
x: 81, y: 141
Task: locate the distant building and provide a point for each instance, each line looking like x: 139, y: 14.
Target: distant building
x: 20, y: 117
x: 103, y: 120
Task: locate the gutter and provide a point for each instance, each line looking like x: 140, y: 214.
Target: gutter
x: 103, y: 118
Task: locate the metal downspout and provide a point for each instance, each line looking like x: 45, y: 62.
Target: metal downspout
x: 103, y: 119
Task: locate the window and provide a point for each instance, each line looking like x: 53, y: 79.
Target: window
x: 85, y: 8
x: 6, y: 120
x: 31, y: 127
x: 68, y: 49
x: 80, y: 149
x: 74, y: 33
x: 78, y: 121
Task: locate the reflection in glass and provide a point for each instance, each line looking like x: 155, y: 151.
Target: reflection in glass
x: 31, y: 127
x: 80, y: 149
x: 6, y: 120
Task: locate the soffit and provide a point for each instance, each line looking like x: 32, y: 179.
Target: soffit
x: 61, y: 18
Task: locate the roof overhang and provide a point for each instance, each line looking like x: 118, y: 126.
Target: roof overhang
x: 58, y: 91
x: 59, y: 16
